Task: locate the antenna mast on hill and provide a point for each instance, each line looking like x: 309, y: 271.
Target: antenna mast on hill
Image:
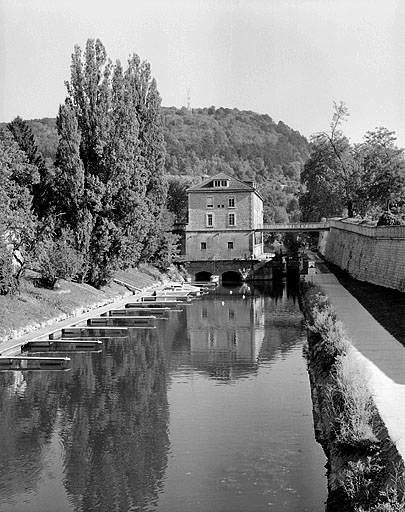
x: 188, y: 101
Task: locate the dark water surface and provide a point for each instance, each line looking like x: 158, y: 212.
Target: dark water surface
x: 211, y: 411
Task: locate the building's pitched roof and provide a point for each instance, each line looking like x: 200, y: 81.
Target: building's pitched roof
x: 234, y: 184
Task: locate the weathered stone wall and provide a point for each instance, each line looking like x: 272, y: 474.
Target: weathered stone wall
x: 220, y: 210
x: 372, y: 254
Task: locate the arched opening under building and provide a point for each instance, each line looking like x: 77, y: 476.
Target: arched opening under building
x: 203, y: 276
x: 231, y: 277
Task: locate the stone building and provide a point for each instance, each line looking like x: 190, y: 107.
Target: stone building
x: 224, y: 213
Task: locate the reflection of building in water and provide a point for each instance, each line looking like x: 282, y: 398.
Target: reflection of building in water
x: 227, y: 332
x: 17, y: 385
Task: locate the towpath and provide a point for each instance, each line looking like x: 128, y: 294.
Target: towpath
x: 383, y: 355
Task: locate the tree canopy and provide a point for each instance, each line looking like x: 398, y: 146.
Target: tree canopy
x: 17, y: 222
x: 364, y: 179
x: 98, y: 202
x: 109, y: 188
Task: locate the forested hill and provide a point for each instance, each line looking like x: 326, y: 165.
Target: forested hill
x: 208, y: 140
x: 205, y: 141
x: 251, y: 145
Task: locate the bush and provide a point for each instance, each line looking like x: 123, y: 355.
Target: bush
x: 8, y: 282
x: 363, y: 482
x: 57, y: 259
x: 351, y: 406
x: 389, y: 219
x: 326, y: 337
x: 392, y: 498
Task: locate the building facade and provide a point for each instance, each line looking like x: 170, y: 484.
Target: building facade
x: 224, y: 214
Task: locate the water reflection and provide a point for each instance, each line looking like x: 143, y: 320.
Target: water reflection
x: 237, y: 327
x: 112, y: 425
x: 101, y: 438
x: 225, y: 335
x: 27, y: 420
x: 241, y: 428
x: 115, y: 434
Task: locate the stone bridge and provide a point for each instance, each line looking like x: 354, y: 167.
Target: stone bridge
x: 227, y: 270
x: 234, y: 270
x: 298, y: 227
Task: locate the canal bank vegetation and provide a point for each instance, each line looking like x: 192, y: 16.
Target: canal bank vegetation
x: 361, y: 476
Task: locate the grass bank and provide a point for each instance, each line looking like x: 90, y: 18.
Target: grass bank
x: 33, y: 307
x: 361, y: 476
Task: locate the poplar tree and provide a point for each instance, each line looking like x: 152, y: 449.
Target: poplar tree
x: 110, y: 184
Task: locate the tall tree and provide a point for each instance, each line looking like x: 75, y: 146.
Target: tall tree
x: 331, y: 175
x: 383, y: 170
x: 39, y: 181
x: 110, y: 161
x: 17, y: 222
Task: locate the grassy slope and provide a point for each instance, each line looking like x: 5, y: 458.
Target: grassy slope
x: 35, y: 307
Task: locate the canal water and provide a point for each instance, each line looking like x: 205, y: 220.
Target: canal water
x: 210, y: 411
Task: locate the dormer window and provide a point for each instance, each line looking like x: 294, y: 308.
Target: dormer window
x: 221, y: 183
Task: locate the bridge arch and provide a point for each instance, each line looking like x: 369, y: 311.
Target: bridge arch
x: 231, y: 276
x: 203, y: 276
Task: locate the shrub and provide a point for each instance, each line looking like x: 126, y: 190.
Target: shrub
x: 57, y: 259
x: 326, y: 336
x: 392, y: 498
x: 351, y: 406
x: 8, y: 282
x: 363, y: 482
x: 389, y: 219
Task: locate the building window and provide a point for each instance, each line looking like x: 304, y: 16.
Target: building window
x: 211, y: 339
x: 210, y: 202
x: 231, y: 202
x: 221, y: 183
x: 231, y: 219
x: 232, y: 339
x: 203, y: 246
x: 230, y: 245
x: 231, y: 314
x: 258, y: 238
x: 210, y: 220
x: 204, y: 313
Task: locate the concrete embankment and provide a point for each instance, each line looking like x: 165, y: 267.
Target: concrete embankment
x: 382, y: 356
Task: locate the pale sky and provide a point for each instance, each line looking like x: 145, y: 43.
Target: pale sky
x: 290, y: 59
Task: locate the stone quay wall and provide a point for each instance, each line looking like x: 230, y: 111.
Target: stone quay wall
x: 372, y: 254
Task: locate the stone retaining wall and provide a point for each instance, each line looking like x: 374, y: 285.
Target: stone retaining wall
x: 372, y: 254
